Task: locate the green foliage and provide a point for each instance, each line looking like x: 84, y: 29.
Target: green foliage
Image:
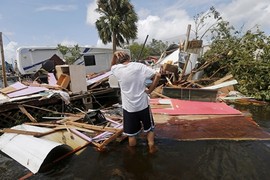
x: 157, y: 47
x: 136, y: 50
x: 70, y: 54
x: 117, y: 23
x: 154, y: 48
x: 245, y: 56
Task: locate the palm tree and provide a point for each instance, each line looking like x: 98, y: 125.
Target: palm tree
x: 117, y: 23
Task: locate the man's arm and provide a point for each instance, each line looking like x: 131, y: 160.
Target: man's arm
x: 154, y: 83
x: 114, y: 59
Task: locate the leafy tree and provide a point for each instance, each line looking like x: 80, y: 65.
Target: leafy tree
x: 244, y: 55
x: 157, y: 47
x: 202, y: 27
x: 70, y: 54
x: 154, y: 48
x: 136, y: 49
x: 117, y: 23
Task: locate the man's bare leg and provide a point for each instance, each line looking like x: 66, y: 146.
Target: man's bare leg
x: 132, y: 141
x: 151, y: 142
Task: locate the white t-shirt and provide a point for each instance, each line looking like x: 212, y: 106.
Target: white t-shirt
x: 131, y: 78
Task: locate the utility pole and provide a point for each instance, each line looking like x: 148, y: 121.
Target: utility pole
x: 4, y: 75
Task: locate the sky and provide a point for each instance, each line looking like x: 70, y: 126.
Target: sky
x: 70, y: 22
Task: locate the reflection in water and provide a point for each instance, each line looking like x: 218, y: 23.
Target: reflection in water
x: 174, y: 160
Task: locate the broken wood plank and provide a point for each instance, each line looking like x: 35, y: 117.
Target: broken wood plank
x: 159, y: 106
x: 110, y: 139
x: 60, y: 126
x: 54, y: 112
x: 160, y: 95
x: 31, y: 133
x: 224, y: 84
x: 57, y: 87
x: 24, y: 111
x: 225, y: 78
x: 43, y: 124
x: 85, y: 137
x: 93, y: 127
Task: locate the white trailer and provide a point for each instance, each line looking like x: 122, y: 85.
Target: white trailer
x: 30, y: 59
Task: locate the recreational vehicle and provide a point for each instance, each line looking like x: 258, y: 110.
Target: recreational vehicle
x: 30, y: 59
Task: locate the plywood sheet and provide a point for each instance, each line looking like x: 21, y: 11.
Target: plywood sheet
x: 13, y: 87
x: 27, y: 91
x: 181, y: 107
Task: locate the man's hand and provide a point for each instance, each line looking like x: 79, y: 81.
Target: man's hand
x: 119, y: 54
x: 116, y: 56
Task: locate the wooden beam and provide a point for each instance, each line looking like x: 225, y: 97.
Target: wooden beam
x: 225, y: 78
x: 110, y: 139
x: 158, y: 94
x: 93, y: 127
x: 4, y: 75
x: 54, y: 112
x: 31, y: 133
x: 187, y: 37
x: 24, y: 111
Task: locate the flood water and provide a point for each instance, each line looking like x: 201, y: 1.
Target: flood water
x: 174, y: 159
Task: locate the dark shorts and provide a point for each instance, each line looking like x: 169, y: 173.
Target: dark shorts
x: 134, y: 122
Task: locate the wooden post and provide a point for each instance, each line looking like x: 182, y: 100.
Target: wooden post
x: 187, y: 37
x: 24, y: 111
x: 4, y: 76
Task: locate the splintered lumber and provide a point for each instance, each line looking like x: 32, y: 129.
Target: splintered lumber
x: 100, y: 146
x: 43, y: 124
x: 31, y: 133
x: 225, y: 78
x: 46, y: 86
x: 59, y: 126
x: 83, y: 136
x: 54, y: 112
x: 224, y: 84
x: 93, y: 127
x: 110, y: 139
x: 160, y: 95
x: 70, y: 118
x: 24, y: 111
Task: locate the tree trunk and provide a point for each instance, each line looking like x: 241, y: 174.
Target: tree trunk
x: 114, y: 42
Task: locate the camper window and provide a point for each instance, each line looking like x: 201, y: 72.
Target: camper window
x: 89, y: 60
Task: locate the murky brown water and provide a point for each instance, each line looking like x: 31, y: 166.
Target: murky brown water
x: 174, y: 160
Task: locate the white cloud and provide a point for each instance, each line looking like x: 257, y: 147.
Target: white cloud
x: 57, y: 8
x: 168, y: 27
x: 100, y: 44
x: 248, y: 13
x: 92, y: 15
x: 158, y: 27
x: 143, y: 13
x: 170, y: 22
x: 68, y: 43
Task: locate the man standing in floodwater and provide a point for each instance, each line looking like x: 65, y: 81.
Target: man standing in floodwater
x: 134, y: 94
